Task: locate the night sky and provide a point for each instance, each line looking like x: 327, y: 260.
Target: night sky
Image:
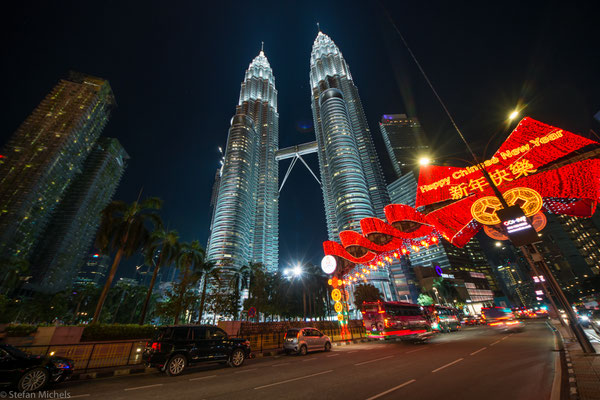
x: 176, y: 68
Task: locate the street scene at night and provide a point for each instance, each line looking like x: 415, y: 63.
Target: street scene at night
x: 281, y: 200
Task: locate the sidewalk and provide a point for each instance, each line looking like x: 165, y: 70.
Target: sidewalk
x: 583, y: 369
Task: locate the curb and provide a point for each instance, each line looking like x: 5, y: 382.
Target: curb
x: 107, y: 374
x: 573, y: 393
x: 140, y: 369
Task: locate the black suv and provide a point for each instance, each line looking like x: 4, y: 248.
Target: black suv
x: 175, y: 347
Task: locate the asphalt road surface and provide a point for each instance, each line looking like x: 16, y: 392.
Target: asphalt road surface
x: 475, y: 363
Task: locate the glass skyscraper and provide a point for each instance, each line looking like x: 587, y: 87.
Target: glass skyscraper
x: 353, y: 183
x: 245, y: 226
x: 44, y: 155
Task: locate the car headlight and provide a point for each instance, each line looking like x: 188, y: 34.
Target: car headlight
x: 63, y: 365
x: 585, y: 318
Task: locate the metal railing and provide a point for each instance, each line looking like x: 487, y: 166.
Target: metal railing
x: 274, y: 340
x: 94, y: 355
x: 97, y: 355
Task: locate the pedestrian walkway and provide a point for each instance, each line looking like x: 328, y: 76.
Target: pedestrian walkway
x: 584, y: 367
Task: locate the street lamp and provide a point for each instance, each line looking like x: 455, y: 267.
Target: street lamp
x: 498, y: 244
x: 423, y: 161
x: 513, y: 115
x: 297, y: 270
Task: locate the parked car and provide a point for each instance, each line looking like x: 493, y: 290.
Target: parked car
x: 303, y: 340
x: 29, y: 373
x: 173, y: 348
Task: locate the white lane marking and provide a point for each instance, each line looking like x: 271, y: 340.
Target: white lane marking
x: 245, y: 370
x: 310, y: 359
x: 412, y: 351
x: 496, y: 342
x: 333, y: 355
x: 202, y: 377
x: 143, y: 387
x: 277, y: 365
x: 392, y: 389
x: 293, y: 379
x: 79, y: 395
x: 447, y: 365
x: 370, y: 361
x: 475, y: 352
x: 353, y: 351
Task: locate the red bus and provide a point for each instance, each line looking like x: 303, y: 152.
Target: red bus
x: 395, y: 319
x: 443, y: 319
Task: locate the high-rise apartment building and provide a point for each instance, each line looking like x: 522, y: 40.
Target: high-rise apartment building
x: 245, y: 226
x: 404, y: 140
x: 44, y: 155
x: 353, y: 183
x: 69, y: 235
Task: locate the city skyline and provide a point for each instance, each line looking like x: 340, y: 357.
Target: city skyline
x: 175, y: 127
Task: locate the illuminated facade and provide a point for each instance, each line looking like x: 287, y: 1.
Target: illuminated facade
x: 245, y: 225
x: 353, y: 183
x: 39, y: 162
x: 71, y: 230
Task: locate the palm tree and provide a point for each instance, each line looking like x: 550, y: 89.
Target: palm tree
x: 208, y: 271
x: 124, y: 228
x: 167, y: 244
x: 16, y: 269
x: 191, y: 258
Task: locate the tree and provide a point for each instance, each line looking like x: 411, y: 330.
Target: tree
x: 259, y: 288
x: 14, y: 270
x: 366, y: 292
x: 209, y: 272
x: 424, y: 300
x: 167, y: 245
x: 446, y: 290
x: 190, y: 261
x: 124, y: 229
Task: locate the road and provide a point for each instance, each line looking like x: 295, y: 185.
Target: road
x: 474, y: 363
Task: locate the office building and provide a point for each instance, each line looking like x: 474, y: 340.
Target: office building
x: 404, y: 140
x: 245, y: 226
x: 353, y: 183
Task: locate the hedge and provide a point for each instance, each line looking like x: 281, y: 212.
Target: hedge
x: 99, y: 332
x: 20, y: 330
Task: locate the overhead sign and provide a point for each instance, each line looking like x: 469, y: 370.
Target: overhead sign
x: 517, y: 226
x: 252, y: 312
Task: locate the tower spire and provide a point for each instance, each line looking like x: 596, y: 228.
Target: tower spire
x: 262, y: 46
x: 318, y: 27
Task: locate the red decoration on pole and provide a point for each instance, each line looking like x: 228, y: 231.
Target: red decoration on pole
x: 572, y: 189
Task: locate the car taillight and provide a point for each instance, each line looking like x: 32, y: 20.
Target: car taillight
x: 156, y: 346
x: 247, y: 343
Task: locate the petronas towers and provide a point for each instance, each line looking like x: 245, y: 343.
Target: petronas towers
x: 244, y: 225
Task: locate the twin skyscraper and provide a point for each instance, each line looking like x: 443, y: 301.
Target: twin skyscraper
x: 244, y: 226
